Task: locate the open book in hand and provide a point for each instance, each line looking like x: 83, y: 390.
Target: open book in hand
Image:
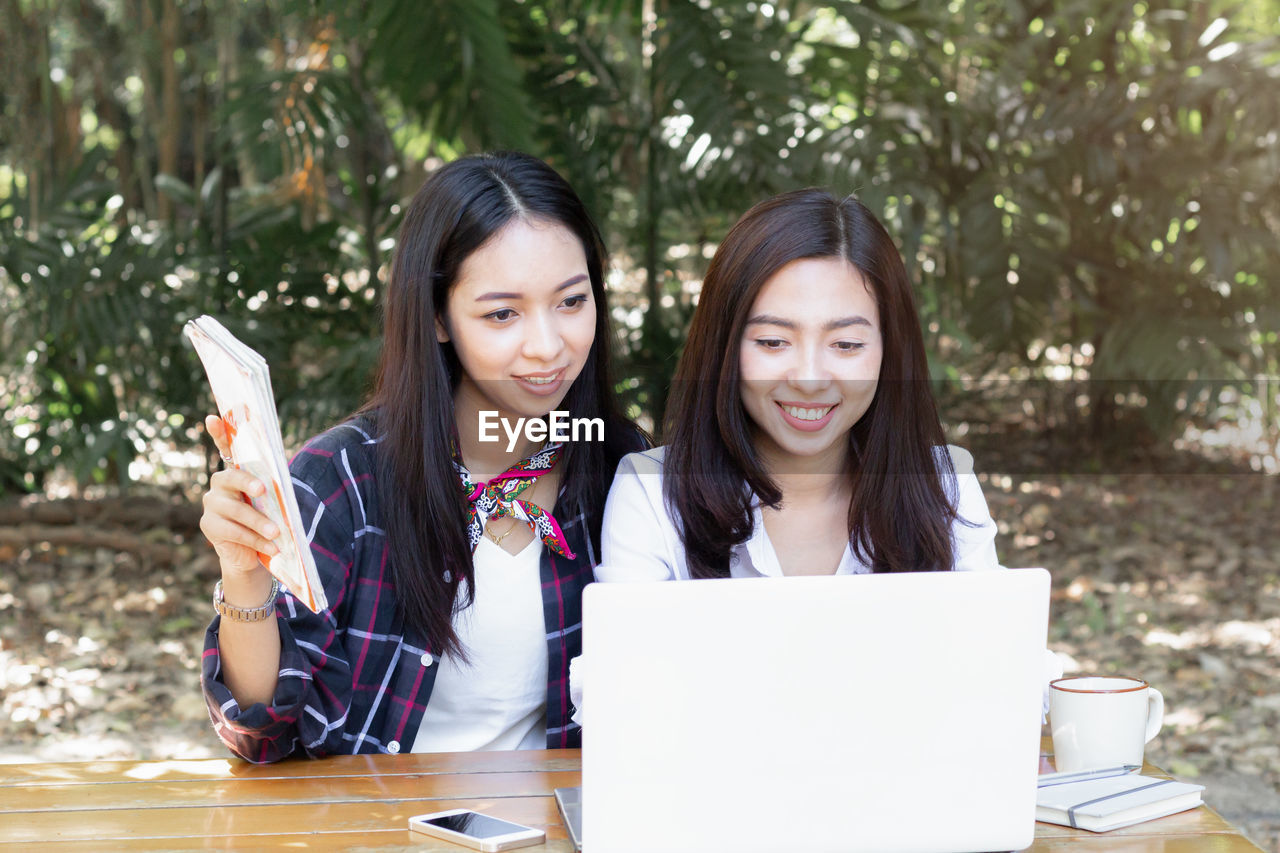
x: 242, y: 391
x: 1115, y: 801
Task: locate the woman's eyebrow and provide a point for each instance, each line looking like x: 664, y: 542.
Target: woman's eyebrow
x: 559, y: 287
x: 830, y: 325
x: 845, y: 322
x: 770, y: 320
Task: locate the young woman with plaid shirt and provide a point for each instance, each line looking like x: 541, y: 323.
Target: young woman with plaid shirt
x: 453, y: 566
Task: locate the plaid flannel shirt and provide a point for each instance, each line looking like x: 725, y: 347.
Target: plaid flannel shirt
x: 354, y: 678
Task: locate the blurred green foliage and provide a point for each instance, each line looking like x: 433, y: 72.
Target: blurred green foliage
x: 1085, y: 191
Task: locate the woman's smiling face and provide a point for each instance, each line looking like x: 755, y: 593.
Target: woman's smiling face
x: 810, y: 360
x: 522, y: 319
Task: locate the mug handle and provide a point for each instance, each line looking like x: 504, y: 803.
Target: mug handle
x: 1155, y: 713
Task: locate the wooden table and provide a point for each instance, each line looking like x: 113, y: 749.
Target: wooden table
x: 364, y: 802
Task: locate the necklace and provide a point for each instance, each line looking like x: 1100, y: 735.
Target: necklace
x: 497, y: 540
x: 515, y: 522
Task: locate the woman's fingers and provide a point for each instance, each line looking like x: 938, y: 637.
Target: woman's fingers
x: 237, y: 531
x: 242, y: 514
x: 236, y: 542
x: 236, y: 481
x: 227, y: 500
x: 217, y: 429
x: 229, y: 521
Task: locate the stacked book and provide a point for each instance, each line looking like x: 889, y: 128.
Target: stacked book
x: 242, y: 391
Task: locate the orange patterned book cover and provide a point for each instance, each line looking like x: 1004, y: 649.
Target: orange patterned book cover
x: 241, y: 386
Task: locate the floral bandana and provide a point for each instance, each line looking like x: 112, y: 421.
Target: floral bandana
x: 501, y: 497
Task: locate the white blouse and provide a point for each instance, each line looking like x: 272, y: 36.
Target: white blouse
x: 499, y: 699
x: 641, y: 540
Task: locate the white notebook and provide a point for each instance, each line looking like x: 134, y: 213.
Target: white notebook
x: 1102, y: 804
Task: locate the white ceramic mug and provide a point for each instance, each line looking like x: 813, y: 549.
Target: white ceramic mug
x: 1102, y: 720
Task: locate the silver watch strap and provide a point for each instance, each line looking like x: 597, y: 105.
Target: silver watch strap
x: 246, y: 614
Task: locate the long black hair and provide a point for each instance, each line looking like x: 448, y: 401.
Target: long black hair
x: 900, y: 517
x: 459, y: 208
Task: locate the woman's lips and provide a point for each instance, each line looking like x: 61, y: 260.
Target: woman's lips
x: 807, y: 417
x: 542, y: 384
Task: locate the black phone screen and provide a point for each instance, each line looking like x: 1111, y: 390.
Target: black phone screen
x: 476, y: 825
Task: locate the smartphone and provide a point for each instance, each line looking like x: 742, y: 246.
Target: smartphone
x: 473, y: 829
x: 569, y: 801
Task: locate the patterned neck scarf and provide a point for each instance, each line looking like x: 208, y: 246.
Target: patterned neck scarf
x: 501, y: 497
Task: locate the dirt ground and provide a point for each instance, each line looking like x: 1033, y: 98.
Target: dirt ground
x: 1170, y: 572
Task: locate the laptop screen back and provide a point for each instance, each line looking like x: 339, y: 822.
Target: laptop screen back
x: 879, y: 712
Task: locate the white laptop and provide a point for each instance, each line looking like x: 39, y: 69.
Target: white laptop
x: 874, y: 713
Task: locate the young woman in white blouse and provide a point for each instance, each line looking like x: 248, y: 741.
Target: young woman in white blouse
x: 802, y: 433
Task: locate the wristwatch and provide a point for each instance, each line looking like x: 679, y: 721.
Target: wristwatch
x: 246, y: 614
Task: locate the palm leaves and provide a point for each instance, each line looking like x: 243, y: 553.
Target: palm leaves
x: 84, y: 304
x: 1126, y: 193
x: 1078, y: 175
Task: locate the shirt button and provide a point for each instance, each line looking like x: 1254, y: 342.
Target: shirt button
x: 427, y: 659
x: 394, y: 747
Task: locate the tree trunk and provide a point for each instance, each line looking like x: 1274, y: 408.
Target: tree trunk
x: 200, y: 110
x: 95, y: 30
x: 19, y: 35
x: 170, y: 128
x: 50, y: 102
x: 653, y: 327
x: 1102, y: 401
x: 364, y: 161
x: 226, y: 34
x: 146, y: 167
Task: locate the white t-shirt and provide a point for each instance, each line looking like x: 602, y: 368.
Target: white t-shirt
x: 641, y: 540
x: 499, y: 699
